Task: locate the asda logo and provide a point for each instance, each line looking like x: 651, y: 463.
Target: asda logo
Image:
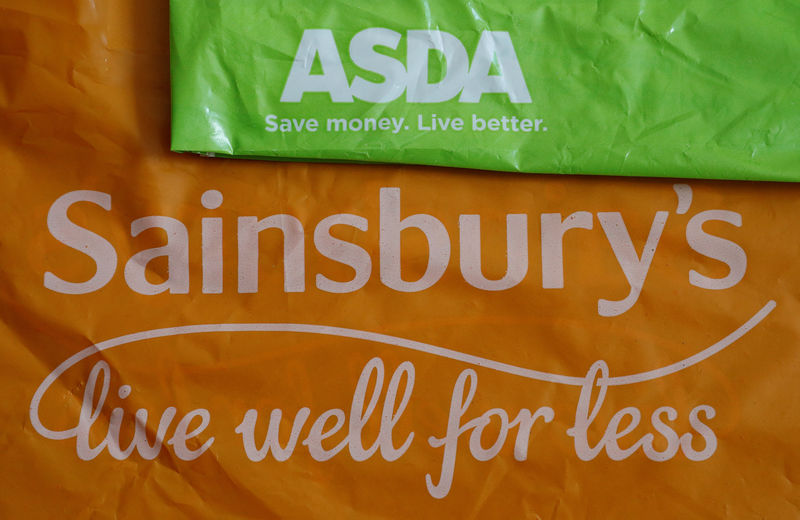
x: 494, y: 68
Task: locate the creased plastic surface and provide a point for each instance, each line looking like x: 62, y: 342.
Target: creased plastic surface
x: 621, y: 87
x: 84, y: 120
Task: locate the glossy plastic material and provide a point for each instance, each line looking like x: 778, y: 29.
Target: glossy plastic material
x: 697, y: 89
x: 147, y: 269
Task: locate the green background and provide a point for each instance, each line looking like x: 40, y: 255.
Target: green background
x: 703, y: 89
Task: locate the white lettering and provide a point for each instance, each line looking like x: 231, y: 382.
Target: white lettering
x: 317, y: 43
x: 81, y: 239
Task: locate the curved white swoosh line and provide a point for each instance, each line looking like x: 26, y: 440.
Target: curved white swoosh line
x: 377, y: 338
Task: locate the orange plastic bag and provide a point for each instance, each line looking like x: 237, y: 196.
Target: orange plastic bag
x: 187, y: 337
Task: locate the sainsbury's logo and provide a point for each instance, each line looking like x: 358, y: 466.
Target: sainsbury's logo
x: 462, y: 78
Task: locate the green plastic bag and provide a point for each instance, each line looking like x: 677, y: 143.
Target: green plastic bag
x: 701, y: 89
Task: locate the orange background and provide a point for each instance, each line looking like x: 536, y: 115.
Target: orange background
x: 84, y: 105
